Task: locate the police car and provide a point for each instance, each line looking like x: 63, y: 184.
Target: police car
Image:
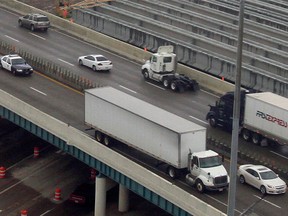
x: 15, y: 64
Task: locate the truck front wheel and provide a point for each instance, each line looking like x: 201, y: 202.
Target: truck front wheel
x: 172, y: 172
x: 146, y: 74
x: 212, y: 121
x: 200, y: 186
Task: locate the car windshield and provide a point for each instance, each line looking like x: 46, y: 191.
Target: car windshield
x: 268, y: 175
x: 210, y: 162
x: 18, y: 61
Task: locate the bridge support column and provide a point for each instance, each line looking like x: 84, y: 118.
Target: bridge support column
x: 123, y: 203
x: 100, y: 195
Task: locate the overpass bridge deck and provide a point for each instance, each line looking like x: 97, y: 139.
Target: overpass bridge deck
x: 108, y: 162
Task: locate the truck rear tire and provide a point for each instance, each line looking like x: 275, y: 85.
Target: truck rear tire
x: 172, y: 172
x: 256, y: 138
x: 200, y: 186
x: 174, y: 86
x: 98, y: 136
x: 246, y: 135
x: 107, y: 140
x: 166, y: 83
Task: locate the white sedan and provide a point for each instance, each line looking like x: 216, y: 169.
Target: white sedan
x: 261, y: 178
x: 96, y: 62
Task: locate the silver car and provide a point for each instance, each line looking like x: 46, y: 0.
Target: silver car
x: 262, y: 178
x: 34, y: 21
x: 96, y: 62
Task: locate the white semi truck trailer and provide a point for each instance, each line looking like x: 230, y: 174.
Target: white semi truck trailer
x: 170, y: 139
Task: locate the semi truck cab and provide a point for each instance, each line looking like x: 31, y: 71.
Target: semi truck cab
x: 221, y: 114
x: 206, y: 171
x: 161, y: 67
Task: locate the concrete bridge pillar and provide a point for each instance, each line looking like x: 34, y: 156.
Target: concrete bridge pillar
x: 100, y: 195
x: 123, y: 203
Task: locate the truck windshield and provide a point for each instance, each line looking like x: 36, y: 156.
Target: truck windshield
x: 210, y: 162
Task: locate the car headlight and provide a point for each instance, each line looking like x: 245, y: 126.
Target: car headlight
x: 31, y: 69
x: 269, y: 186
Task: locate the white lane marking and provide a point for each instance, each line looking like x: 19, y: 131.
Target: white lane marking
x: 47, y: 211
x: 97, y: 47
x: 220, y: 202
x: 279, y: 155
x: 209, y: 93
x: 38, y: 91
x: 155, y: 86
x: 12, y: 38
x: 128, y: 89
x: 38, y: 36
x: 267, y: 201
x: 28, y: 176
x: 198, y: 120
x: 65, y: 62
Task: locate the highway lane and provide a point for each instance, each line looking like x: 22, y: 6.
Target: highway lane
x: 65, y: 50
x: 67, y: 105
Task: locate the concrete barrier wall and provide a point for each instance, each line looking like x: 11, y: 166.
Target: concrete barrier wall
x: 218, y: 60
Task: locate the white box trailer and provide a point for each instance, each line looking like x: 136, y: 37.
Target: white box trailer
x: 267, y: 114
x: 143, y: 126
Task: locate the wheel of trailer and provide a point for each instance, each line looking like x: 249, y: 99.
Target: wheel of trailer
x: 172, y: 172
x: 146, y: 74
x: 241, y: 179
x: 166, y: 83
x: 212, y: 121
x: 256, y: 138
x: 263, y: 189
x: 98, y: 136
x: 200, y: 186
x: 107, y: 140
x: 246, y: 135
x: 173, y: 86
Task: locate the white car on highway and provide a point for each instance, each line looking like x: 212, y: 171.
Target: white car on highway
x: 262, y: 178
x: 96, y: 62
